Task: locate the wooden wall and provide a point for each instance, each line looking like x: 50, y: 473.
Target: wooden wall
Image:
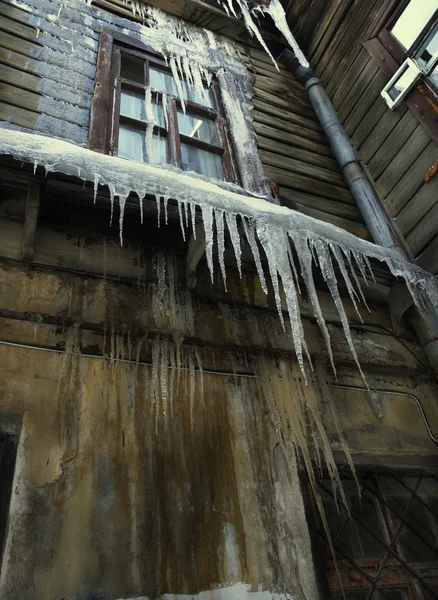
x: 37, y: 61
x: 395, y: 147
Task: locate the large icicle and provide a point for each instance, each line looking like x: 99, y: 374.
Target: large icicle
x: 268, y: 224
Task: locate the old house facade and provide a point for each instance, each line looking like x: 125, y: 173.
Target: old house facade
x: 204, y: 359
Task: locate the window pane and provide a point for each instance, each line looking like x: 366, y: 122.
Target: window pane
x: 434, y: 76
x: 132, y: 104
x: 201, y: 161
x: 403, y: 83
x: 131, y: 143
x: 352, y: 535
x: 428, y: 52
x: 419, y: 533
x: 159, y: 150
x: 162, y: 81
x: 412, y: 21
x: 132, y: 68
x: 198, y: 127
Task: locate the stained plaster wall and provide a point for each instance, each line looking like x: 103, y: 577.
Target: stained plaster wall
x: 110, y: 501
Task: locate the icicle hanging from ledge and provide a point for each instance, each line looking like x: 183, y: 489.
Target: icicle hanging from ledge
x: 275, y: 228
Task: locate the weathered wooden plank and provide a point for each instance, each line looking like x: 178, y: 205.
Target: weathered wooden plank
x: 30, y: 221
x: 21, y: 15
x: 424, y: 232
x: 291, y: 151
x: 292, y: 139
x: 307, y: 184
x: 18, y: 116
x: 290, y: 124
x: 412, y: 180
x: 286, y: 104
x: 428, y: 260
x: 352, y: 73
x: 18, y: 97
x: 402, y: 161
x: 19, y: 61
x: 18, y: 29
x: 365, y: 102
x: 381, y: 128
x: 293, y: 198
x: 18, y: 78
x: 326, y: 28
x: 302, y: 168
x: 287, y: 115
x: 417, y: 207
x: 394, y: 140
x: 11, y: 42
x: 360, y: 134
x: 358, y: 91
x: 273, y: 86
x: 354, y: 228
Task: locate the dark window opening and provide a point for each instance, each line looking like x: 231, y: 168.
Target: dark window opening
x: 387, y: 546
x: 8, y: 452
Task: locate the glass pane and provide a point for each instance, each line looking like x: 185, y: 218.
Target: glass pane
x: 131, y: 143
x: 350, y: 535
x: 132, y: 68
x: 428, y: 52
x: 159, y: 150
x: 412, y: 21
x: 434, y: 76
x: 419, y: 533
x: 201, y: 161
x: 198, y: 127
x: 403, y: 83
x: 163, y: 81
x: 132, y: 104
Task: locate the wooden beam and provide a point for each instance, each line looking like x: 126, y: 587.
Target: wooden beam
x: 30, y: 220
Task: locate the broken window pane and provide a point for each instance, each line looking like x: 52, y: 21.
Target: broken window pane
x: 198, y: 127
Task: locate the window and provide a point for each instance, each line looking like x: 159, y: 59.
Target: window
x: 388, y: 546
x: 404, y: 42
x: 152, y: 117
x: 8, y: 450
x: 412, y: 38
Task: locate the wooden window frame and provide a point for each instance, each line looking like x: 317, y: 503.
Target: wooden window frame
x: 393, y: 576
x: 389, y: 54
x: 104, y: 129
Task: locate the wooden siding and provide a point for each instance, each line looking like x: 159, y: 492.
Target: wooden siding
x: 393, y: 144
x: 293, y: 148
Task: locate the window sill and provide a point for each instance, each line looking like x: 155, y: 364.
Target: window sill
x: 416, y: 101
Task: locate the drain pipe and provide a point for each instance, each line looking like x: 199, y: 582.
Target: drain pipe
x: 379, y: 223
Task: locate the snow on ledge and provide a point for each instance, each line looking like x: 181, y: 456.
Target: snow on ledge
x: 275, y: 228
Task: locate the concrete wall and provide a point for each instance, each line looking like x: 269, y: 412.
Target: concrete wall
x: 120, y: 493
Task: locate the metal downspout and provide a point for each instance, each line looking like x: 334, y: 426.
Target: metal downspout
x: 378, y: 221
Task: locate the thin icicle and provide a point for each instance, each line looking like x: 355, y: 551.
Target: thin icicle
x: 351, y: 291
x: 220, y: 231
x: 164, y: 105
x: 276, y: 10
x: 96, y: 187
x: 181, y: 220
x: 175, y: 74
x: 235, y: 239
x: 347, y: 254
x: 122, y: 204
x: 193, y: 214
x: 207, y: 217
x: 158, y: 203
x: 250, y: 236
x: 165, y: 201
